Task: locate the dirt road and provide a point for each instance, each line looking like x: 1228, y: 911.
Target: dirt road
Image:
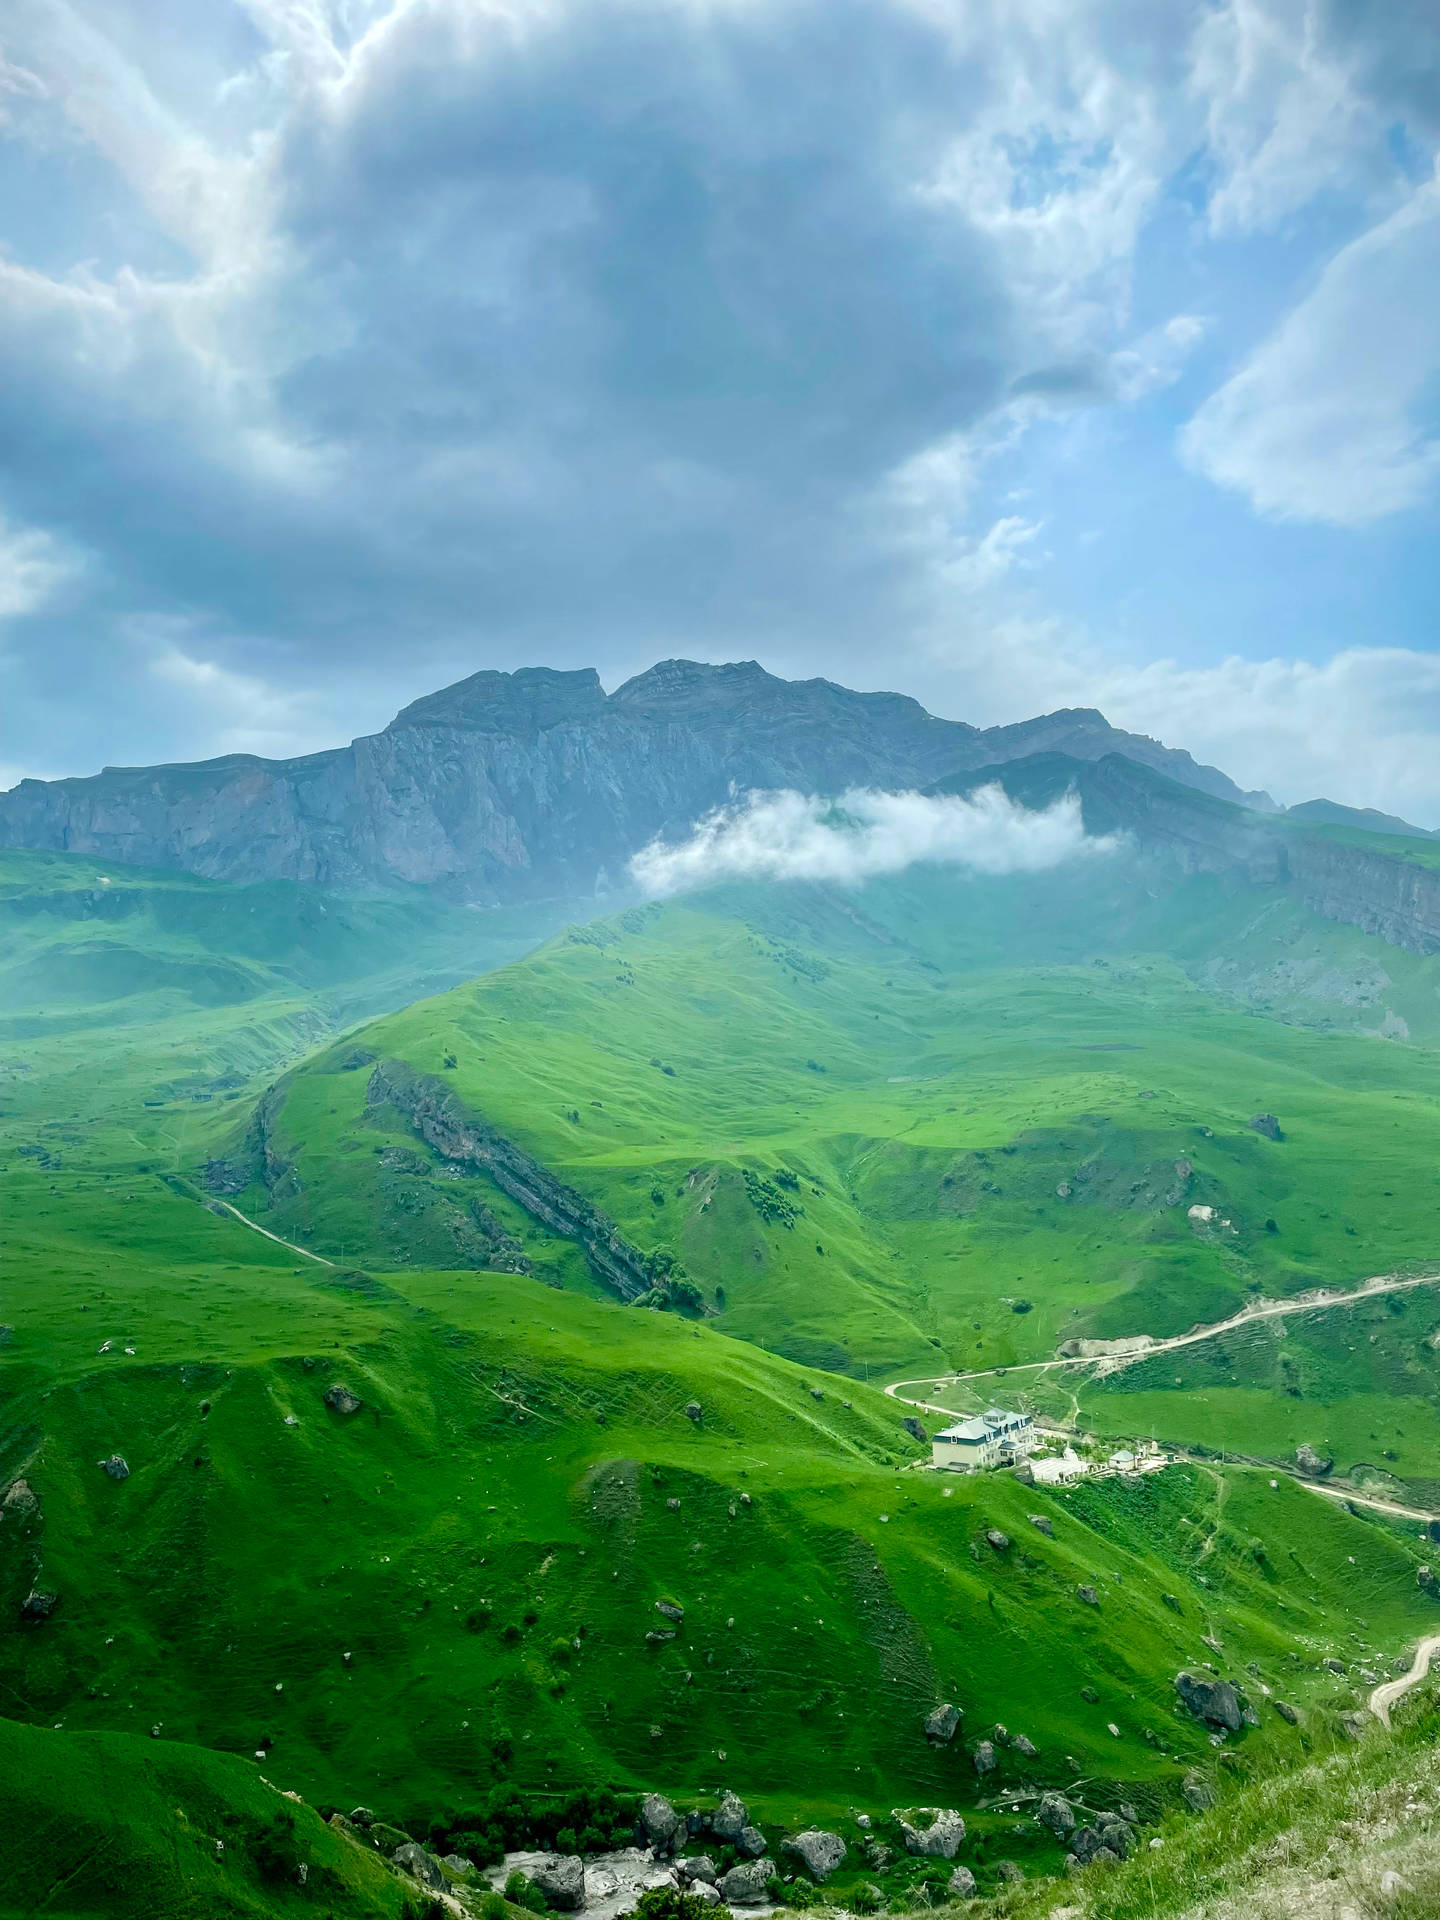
x: 1389, y: 1691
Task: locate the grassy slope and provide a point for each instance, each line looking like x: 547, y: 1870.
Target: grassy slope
x: 107, y: 1824
x: 931, y: 1111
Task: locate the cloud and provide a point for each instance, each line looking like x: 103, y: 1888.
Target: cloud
x: 796, y: 836
x: 33, y: 565
x: 1328, y: 419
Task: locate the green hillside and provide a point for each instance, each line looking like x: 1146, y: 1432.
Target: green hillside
x: 104, y: 1823
x: 881, y: 1144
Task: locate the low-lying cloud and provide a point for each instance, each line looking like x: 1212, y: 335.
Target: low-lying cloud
x: 863, y: 833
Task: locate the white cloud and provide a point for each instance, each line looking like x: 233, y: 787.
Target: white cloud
x: 236, y: 712
x: 796, y: 836
x: 33, y: 564
x: 1321, y: 423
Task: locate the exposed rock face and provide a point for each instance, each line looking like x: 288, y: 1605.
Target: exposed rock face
x: 1267, y: 1124
x: 341, y: 1400
x: 942, y: 1722
x: 744, y: 1886
x: 420, y: 1865
x: 941, y: 1839
x: 514, y: 786
x: 914, y: 1428
x: 822, y: 1852
x: 1214, y: 1701
x: 1310, y: 1459
x: 443, y: 1123
x: 561, y: 1878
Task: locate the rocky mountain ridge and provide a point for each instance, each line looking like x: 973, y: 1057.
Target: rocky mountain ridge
x: 536, y: 784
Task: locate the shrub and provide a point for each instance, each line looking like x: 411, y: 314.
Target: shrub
x: 800, y: 1895
x: 520, y: 1893
x: 866, y: 1897
x: 670, y: 1903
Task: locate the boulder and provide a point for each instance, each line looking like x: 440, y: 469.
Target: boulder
x: 817, y: 1393
x: 822, y: 1852
x: 387, y: 1838
x: 561, y: 1878
x: 1089, y: 1596
x: 693, y: 1412
x: 362, y: 1817
x: 1009, y: 1873
x: 412, y: 1858
x: 21, y: 1500
x: 1056, y: 1813
x: 751, y: 1842
x: 1197, y: 1793
x: 703, y: 1891
x: 730, y: 1818
x: 1024, y: 1746
x: 942, y: 1722
x: 659, y: 1636
x: 914, y: 1428
x: 1115, y: 1833
x: 1333, y: 1666
x: 341, y: 1400
x: 116, y: 1466
x: 1043, y: 1522
x: 744, y: 1886
x: 660, y: 1821
x: 1172, y: 1601
x: 1311, y: 1460
x: 670, y: 1610
x: 1286, y: 1712
x: 39, y: 1604
x: 1213, y: 1701
x: 985, y: 1757
x: 998, y: 1540
x: 697, y: 1866
x: 961, y: 1884
x: 940, y: 1839
x: 1352, y: 1725
x: 1267, y: 1124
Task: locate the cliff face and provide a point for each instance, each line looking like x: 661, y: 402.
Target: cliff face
x: 536, y: 783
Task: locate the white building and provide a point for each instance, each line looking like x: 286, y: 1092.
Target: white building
x: 1059, y: 1470
x: 994, y: 1438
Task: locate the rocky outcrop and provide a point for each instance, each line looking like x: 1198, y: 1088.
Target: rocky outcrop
x: 942, y: 1722
x: 822, y: 1852
x: 561, y: 1878
x: 444, y: 1124
x: 340, y: 1399
x: 1213, y: 1701
x: 939, y: 1839
x: 1312, y: 1461
x: 413, y: 1859
x: 521, y: 785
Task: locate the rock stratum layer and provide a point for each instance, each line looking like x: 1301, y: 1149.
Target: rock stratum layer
x: 508, y: 787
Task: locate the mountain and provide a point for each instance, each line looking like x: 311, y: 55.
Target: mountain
x: 1331, y: 813
x: 529, y: 785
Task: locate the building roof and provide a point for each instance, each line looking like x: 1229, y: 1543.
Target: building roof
x: 984, y: 1426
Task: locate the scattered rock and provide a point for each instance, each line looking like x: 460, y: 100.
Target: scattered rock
x: 1044, y: 1523
x: 744, y: 1886
x: 914, y: 1428
x: 659, y: 1636
x: 1172, y: 1600
x: 985, y: 1757
x: 1024, y: 1746
x: 730, y: 1818
x: 1213, y: 1701
x: 705, y: 1892
x: 341, y: 1400
x: 1311, y: 1460
x: 39, y: 1604
x: 116, y: 1466
x: 21, y: 1500
x: 1008, y: 1872
x: 751, y: 1842
x: 816, y: 1394
x: 941, y: 1723
x: 1267, y: 1124
x: 561, y: 1878
x: 998, y: 1540
x: 941, y: 1839
x: 458, y: 1867
x: 1056, y: 1813
x: 693, y: 1411
x: 1334, y: 1666
x: 1286, y: 1712
x: 412, y: 1858
x: 1424, y: 1578
x: 660, y: 1821
x: 1352, y: 1725
x: 670, y: 1610
x: 1089, y: 1596
x: 672, y: 1505
x: 1197, y: 1793
x: 822, y: 1852
x: 697, y: 1866
x: 961, y: 1884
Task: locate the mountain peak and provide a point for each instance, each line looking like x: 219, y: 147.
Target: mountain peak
x: 529, y: 700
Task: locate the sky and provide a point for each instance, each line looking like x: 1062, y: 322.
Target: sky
x: 1014, y: 354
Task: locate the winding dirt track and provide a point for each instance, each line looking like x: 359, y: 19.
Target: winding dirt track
x: 256, y: 1227
x: 1371, y: 1289
x: 1389, y: 1691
